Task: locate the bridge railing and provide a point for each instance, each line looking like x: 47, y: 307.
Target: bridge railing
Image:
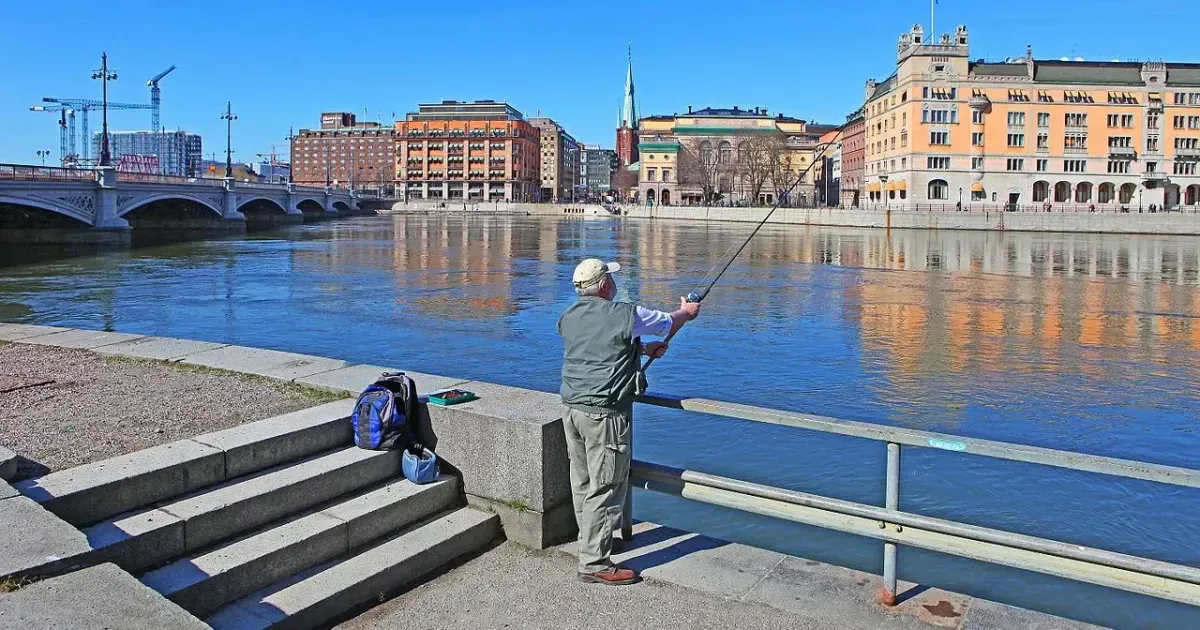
x: 153, y: 178
x: 262, y: 186
x: 26, y: 172
x: 888, y: 523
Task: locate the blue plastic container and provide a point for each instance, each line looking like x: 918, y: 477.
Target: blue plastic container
x: 420, y: 469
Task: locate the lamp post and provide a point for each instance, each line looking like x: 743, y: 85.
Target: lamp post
x: 43, y: 155
x: 290, y: 138
x: 228, y: 117
x: 105, y: 76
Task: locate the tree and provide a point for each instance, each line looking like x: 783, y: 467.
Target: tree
x: 781, y: 165
x: 624, y: 183
x: 755, y: 157
x: 699, y: 166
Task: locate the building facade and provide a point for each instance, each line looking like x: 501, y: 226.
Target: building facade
x: 726, y: 157
x: 181, y: 152
x: 596, y: 167
x: 1031, y: 133
x: 344, y: 153
x: 479, y: 151
x: 559, y: 161
x: 854, y: 146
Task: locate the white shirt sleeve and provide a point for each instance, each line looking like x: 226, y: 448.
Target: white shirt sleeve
x: 652, y: 323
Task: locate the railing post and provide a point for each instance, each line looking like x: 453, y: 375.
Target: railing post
x: 627, y: 509
x: 891, y: 502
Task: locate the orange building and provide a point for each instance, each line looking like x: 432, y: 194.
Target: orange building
x: 945, y: 129
x: 480, y: 151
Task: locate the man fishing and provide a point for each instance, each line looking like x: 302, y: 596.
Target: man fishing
x: 601, y: 360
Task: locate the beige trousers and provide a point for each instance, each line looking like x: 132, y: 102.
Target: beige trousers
x: 600, y: 451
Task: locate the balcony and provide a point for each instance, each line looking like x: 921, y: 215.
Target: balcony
x: 979, y: 101
x: 1123, y: 152
x: 1075, y: 150
x: 1191, y: 153
x: 1154, y: 177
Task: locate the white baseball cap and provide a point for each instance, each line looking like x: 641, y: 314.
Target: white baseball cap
x: 591, y: 271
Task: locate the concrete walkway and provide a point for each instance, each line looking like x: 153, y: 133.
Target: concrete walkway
x: 728, y: 586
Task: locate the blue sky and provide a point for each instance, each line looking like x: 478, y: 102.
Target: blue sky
x: 282, y: 63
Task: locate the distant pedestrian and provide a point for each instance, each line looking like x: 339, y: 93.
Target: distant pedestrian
x: 601, y: 357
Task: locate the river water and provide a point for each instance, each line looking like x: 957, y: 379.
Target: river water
x: 1078, y: 342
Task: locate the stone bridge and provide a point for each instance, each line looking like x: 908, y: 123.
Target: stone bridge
x: 107, y: 200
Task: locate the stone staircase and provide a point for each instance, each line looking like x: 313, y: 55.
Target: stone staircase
x: 280, y: 523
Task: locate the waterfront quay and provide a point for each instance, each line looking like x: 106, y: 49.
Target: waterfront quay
x: 692, y: 581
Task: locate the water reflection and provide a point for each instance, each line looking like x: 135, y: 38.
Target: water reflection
x: 1081, y: 342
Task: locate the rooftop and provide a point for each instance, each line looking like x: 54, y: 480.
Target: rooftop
x: 462, y: 110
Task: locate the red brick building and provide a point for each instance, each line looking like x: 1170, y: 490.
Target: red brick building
x: 854, y: 154
x: 344, y: 153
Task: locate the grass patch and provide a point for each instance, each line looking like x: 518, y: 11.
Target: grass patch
x: 315, y: 394
x: 516, y: 504
x: 12, y: 584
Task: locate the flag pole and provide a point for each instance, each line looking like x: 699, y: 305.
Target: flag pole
x: 932, y: 14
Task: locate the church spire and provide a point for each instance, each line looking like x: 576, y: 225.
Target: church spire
x: 629, y: 110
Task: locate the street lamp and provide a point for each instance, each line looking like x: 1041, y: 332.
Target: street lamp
x: 105, y: 76
x: 43, y: 155
x: 228, y: 117
x: 290, y: 138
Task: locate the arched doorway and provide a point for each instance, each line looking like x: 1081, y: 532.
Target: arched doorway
x: 1083, y: 192
x: 1107, y: 192
x: 939, y: 190
x: 650, y: 198
x: 1062, y: 192
x: 665, y: 199
x: 1041, y: 191
x: 1127, y: 191
x: 1192, y: 197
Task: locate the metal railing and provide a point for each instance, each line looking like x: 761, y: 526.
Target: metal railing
x: 153, y: 178
x: 1135, y: 574
x: 26, y: 172
x: 1108, y: 207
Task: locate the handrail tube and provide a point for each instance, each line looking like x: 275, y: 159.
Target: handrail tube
x: 914, y: 536
x: 657, y: 472
x: 926, y: 439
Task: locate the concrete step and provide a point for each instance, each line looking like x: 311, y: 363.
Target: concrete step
x: 202, y: 583
x: 100, y: 490
x: 146, y: 538
x: 325, y: 593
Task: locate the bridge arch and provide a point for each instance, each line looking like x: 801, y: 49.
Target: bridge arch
x: 342, y: 207
x: 77, y: 214
x: 142, y: 202
x: 260, y: 203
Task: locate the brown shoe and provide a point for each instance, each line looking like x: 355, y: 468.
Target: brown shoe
x: 615, y: 576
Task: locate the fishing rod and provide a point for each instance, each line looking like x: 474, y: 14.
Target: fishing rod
x: 697, y: 296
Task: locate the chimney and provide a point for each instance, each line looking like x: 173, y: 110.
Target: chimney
x: 689, y: 109
x: 1029, y: 65
x: 735, y: 108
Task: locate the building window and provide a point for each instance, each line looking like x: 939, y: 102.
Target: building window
x: 1041, y: 191
x: 1152, y: 144
x: 1178, y: 120
x: 1043, y: 119
x: 1193, y: 122
x: 903, y: 139
x: 1016, y: 119
x: 1186, y: 143
x: 1043, y: 142
x: 1016, y: 140
x: 1044, y: 97
x: 1043, y: 165
x: 651, y: 174
x: 1119, y: 167
x: 1185, y: 168
x: 1018, y: 96
x: 1151, y: 167
x: 1180, y: 97
x: 1016, y: 164
x: 977, y: 117
x: 1113, y: 119
x: 977, y: 139
x: 666, y: 174
x: 1075, y: 143
x: 1152, y: 121
x: 977, y: 164
x: 939, y: 189
x: 1077, y: 120
x: 937, y: 163
x: 1075, y: 166
x: 939, y: 138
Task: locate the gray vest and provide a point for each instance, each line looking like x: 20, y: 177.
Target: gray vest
x: 600, y: 355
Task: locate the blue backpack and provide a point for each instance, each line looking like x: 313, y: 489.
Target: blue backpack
x: 384, y: 412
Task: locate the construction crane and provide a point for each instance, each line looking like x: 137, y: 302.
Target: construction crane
x: 83, y: 106
x: 156, y: 108
x: 66, y: 132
